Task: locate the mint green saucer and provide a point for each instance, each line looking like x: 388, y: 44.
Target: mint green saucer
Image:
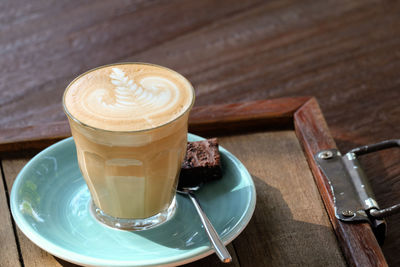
x: 49, y: 202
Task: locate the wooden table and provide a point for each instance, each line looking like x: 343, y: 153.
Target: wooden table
x: 345, y: 53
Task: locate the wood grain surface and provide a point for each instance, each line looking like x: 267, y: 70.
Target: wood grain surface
x: 9, y: 251
x: 289, y: 227
x: 345, y: 53
x: 358, y: 241
x: 203, y: 120
x: 290, y: 223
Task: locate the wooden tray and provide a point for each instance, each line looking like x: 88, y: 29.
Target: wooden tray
x: 276, y: 140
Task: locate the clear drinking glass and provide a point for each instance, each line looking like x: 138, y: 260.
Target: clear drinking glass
x: 132, y: 175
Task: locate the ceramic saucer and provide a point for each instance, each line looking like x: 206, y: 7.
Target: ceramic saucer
x: 49, y: 202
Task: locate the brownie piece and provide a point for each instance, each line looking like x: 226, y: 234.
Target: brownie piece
x: 202, y: 163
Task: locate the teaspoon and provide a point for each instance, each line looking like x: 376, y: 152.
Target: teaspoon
x: 216, y: 242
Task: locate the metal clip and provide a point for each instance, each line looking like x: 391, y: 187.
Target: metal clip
x: 352, y: 194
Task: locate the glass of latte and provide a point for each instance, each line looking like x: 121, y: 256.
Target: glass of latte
x: 129, y: 122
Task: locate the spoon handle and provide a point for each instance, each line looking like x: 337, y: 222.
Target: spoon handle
x: 219, y: 247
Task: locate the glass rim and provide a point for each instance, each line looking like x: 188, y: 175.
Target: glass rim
x: 69, y: 115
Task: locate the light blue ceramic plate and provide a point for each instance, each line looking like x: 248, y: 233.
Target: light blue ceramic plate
x: 49, y: 202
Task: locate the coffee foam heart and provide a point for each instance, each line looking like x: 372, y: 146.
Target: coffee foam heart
x: 128, y: 97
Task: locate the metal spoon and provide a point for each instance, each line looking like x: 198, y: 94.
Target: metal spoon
x: 216, y: 242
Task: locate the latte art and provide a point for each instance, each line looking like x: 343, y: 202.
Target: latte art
x: 128, y: 97
x: 154, y: 95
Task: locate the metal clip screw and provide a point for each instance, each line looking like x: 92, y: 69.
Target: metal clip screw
x: 326, y: 154
x: 348, y: 213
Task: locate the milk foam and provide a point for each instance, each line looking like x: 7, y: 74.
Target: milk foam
x: 128, y: 97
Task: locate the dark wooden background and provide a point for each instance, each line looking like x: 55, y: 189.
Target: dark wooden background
x: 345, y: 53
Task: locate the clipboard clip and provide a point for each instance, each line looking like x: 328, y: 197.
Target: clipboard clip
x: 352, y: 194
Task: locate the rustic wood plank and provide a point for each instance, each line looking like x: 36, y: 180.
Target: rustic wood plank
x: 301, y: 213
x: 267, y: 114
x: 345, y: 53
x: 272, y: 114
x: 290, y: 226
x: 8, y: 252
x: 29, y: 140
x: 43, y: 46
x: 357, y: 240
x: 312, y: 131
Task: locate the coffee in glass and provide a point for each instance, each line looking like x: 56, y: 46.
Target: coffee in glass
x: 129, y: 123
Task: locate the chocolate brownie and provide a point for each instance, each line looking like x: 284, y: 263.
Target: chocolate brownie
x: 202, y: 163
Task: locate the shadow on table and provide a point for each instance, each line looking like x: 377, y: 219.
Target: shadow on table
x: 274, y: 237
x: 65, y: 263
